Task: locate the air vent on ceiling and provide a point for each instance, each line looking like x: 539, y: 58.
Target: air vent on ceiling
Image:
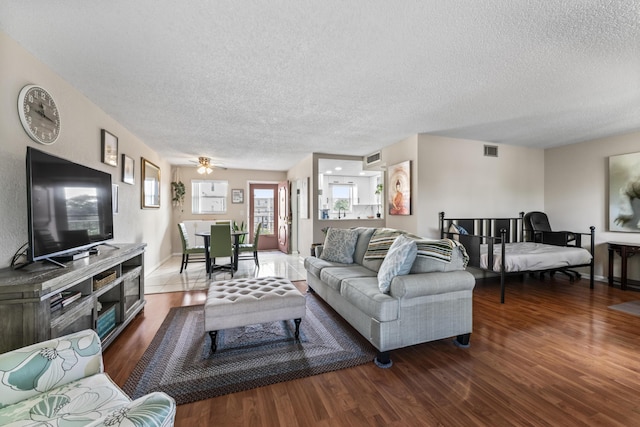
x: 491, y: 150
x: 373, y: 158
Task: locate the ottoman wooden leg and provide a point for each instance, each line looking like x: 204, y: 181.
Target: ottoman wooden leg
x: 213, y: 335
x: 297, y: 322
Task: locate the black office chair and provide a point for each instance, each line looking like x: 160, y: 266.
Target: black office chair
x: 538, y: 229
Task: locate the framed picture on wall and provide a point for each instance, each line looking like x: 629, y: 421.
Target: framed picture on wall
x: 237, y: 195
x: 399, y: 191
x: 109, y: 148
x: 150, y: 185
x: 624, y: 193
x: 127, y: 170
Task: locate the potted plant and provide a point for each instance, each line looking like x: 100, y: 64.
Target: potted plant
x: 179, y: 190
x: 240, y: 227
x: 378, y: 192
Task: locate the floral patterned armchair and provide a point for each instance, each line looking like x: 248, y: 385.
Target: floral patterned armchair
x: 61, y: 382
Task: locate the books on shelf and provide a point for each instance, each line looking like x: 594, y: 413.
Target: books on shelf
x: 64, y: 298
x: 70, y: 297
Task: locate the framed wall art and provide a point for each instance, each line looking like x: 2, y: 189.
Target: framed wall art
x: 624, y: 193
x: 399, y: 191
x: 237, y: 195
x: 128, y: 165
x: 109, y: 148
x: 150, y: 184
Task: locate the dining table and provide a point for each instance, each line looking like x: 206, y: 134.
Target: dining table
x: 235, y: 235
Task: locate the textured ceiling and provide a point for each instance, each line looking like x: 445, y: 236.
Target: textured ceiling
x: 261, y: 84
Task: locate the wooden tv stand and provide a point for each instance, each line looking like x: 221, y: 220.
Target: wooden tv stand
x: 111, y: 287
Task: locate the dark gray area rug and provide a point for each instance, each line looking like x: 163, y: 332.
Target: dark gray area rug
x: 178, y: 360
x: 630, y: 307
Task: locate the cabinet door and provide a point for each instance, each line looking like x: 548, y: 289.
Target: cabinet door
x: 132, y: 293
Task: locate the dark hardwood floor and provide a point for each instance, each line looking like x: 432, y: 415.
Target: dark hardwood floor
x: 552, y: 355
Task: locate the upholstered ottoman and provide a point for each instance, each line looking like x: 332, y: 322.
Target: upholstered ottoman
x: 242, y: 302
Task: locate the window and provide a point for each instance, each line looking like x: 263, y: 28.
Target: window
x: 264, y: 209
x: 341, y: 196
x: 209, y: 196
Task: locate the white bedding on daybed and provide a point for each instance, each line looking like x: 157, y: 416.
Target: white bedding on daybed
x: 530, y: 256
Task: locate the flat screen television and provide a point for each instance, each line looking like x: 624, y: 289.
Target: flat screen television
x: 69, y: 207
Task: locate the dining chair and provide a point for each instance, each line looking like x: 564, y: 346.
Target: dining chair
x: 250, y: 250
x: 220, y: 246
x: 188, y: 249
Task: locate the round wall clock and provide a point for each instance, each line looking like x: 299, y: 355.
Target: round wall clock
x: 39, y: 114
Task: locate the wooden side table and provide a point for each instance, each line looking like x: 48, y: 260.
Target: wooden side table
x: 625, y: 250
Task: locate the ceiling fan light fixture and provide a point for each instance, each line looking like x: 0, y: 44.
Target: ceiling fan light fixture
x: 204, y: 165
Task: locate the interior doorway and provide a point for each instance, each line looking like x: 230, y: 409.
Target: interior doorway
x: 263, y: 208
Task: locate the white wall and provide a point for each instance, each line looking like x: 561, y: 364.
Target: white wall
x: 454, y: 176
x: 457, y: 178
x: 79, y: 142
x: 576, y: 193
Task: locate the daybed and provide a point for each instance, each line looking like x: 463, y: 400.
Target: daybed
x: 500, y: 245
x: 362, y: 281
x: 61, y: 382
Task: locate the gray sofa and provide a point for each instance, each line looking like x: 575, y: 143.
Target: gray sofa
x: 432, y: 302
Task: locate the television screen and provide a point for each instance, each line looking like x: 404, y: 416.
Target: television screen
x: 69, y: 206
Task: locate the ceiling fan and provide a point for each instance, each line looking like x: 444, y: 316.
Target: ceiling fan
x: 204, y: 165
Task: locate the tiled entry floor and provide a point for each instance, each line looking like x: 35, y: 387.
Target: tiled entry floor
x: 167, y: 277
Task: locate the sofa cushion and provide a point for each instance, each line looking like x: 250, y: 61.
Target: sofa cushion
x: 339, y: 245
x: 333, y: 276
x: 398, y: 261
x: 364, y: 235
x: 81, y: 401
x: 153, y: 409
x: 314, y: 265
x: 364, y: 294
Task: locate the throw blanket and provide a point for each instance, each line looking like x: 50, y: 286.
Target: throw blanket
x: 441, y: 250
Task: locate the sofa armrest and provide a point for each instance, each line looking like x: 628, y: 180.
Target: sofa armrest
x: 151, y: 410
x: 40, y: 367
x: 422, y: 284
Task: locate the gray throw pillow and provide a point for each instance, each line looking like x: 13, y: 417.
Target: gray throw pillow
x: 398, y: 261
x: 339, y: 245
